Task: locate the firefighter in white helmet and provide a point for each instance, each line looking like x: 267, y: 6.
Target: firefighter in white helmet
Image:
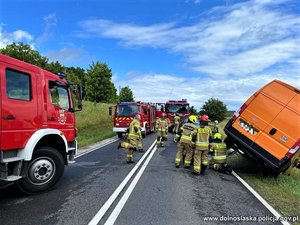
x: 132, y: 139
x: 202, y: 139
x: 162, y: 130
x: 184, y: 139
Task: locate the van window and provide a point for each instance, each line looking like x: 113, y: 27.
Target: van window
x: 59, y: 95
x: 17, y: 85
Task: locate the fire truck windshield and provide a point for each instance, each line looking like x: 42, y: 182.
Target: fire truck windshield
x: 127, y: 110
x: 176, y: 108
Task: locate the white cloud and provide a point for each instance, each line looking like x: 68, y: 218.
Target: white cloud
x: 70, y: 56
x: 244, y: 38
x: 50, y: 21
x: 16, y: 36
x: 236, y: 48
x: 233, y: 92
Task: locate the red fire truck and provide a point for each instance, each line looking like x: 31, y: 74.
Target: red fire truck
x: 125, y: 112
x: 173, y: 107
x: 37, y: 125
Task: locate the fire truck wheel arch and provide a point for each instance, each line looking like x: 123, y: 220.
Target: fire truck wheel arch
x: 40, y: 138
x: 42, y: 172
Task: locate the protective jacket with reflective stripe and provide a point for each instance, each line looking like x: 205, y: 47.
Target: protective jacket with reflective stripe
x: 134, y: 130
x: 219, y: 152
x: 186, y: 132
x: 202, y: 138
x: 161, y: 125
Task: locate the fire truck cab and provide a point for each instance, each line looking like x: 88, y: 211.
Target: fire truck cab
x: 172, y: 107
x: 125, y: 111
x: 37, y: 125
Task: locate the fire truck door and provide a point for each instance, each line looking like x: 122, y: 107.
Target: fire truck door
x: 59, y: 113
x: 19, y: 107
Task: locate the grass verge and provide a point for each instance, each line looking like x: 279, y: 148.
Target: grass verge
x: 93, y: 123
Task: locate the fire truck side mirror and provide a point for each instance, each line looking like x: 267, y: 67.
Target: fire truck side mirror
x: 77, y: 91
x: 110, y: 110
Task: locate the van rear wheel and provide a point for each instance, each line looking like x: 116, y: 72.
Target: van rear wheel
x: 42, y: 172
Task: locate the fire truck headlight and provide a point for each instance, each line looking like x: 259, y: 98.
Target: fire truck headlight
x: 117, y: 124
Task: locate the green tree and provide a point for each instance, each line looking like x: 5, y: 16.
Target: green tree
x: 193, y: 111
x: 126, y: 95
x: 215, y: 109
x: 25, y: 53
x: 98, y: 84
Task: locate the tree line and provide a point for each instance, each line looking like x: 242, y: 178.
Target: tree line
x: 96, y: 81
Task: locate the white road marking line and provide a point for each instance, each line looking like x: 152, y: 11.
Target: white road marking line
x: 113, y: 197
x: 95, y: 148
x: 263, y: 201
x: 114, y: 215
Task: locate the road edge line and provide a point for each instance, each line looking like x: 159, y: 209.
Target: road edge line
x: 261, y: 199
x: 96, y: 219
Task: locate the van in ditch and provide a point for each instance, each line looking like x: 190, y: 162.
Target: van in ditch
x: 267, y: 127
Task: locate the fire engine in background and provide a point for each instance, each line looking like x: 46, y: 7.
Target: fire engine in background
x: 172, y: 107
x: 37, y: 125
x: 125, y: 112
x: 160, y: 108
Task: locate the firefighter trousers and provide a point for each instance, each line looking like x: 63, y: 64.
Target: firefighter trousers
x: 130, y: 144
x: 200, y: 160
x: 181, y: 147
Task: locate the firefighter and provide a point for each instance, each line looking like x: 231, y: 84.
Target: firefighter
x: 176, y: 123
x: 202, y: 138
x: 162, y: 130
x: 132, y: 140
x: 184, y: 139
x: 218, y: 149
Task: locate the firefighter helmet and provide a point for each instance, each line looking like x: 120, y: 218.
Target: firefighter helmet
x: 193, y: 118
x: 204, y: 118
x: 137, y: 116
x: 217, y: 136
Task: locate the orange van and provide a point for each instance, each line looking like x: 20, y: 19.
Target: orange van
x: 267, y: 126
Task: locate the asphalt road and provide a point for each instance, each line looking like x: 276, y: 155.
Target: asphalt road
x: 162, y: 193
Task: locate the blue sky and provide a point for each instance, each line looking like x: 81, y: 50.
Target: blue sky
x: 166, y: 49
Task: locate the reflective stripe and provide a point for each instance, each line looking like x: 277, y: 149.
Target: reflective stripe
x: 177, y: 160
x: 188, y: 138
x: 205, y: 162
x: 202, y: 143
x: 221, y: 157
x: 133, y: 135
x: 187, y: 162
x: 197, y: 168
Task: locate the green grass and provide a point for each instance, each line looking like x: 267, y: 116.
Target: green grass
x: 93, y: 123
x: 282, y: 192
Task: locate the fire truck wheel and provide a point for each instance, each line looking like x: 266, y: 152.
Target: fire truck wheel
x: 42, y: 172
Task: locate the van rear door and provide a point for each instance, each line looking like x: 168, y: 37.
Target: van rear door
x: 258, y: 114
x: 282, y: 127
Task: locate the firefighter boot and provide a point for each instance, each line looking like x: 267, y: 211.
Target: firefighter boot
x: 203, y: 168
x: 120, y: 145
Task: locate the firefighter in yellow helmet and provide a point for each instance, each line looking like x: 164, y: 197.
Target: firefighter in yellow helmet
x: 202, y: 139
x: 219, y: 159
x: 133, y: 138
x: 176, y: 123
x: 184, y: 138
x: 162, y: 130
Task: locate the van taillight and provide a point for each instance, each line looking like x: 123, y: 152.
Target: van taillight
x: 239, y: 112
x: 294, y: 149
